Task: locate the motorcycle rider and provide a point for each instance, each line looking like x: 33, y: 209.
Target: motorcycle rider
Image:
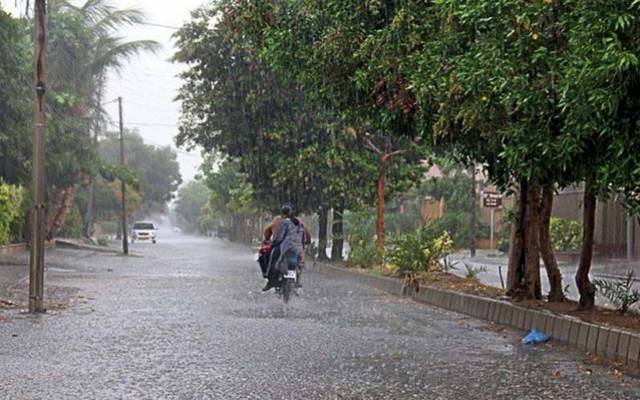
x: 288, y: 235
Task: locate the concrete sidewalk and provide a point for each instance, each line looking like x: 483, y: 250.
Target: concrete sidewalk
x: 496, y: 264
x: 14, y: 279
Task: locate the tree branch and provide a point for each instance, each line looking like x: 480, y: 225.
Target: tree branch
x: 370, y: 145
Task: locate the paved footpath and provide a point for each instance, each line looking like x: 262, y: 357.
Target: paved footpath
x: 188, y: 321
x: 495, y: 264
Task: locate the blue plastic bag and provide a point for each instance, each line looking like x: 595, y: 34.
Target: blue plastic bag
x: 535, y: 337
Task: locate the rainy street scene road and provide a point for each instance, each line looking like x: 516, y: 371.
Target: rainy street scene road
x: 186, y: 319
x: 319, y: 199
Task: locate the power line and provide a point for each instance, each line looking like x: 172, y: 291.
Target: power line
x: 175, y: 28
x: 109, y: 102
x: 158, y: 124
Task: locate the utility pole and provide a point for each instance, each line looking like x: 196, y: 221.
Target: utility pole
x: 125, y: 243
x: 36, y: 262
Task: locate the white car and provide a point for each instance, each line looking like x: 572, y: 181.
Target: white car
x: 144, y: 231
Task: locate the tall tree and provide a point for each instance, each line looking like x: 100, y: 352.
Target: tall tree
x: 319, y: 44
x: 15, y: 108
x: 192, y: 198
x: 290, y: 147
x: 84, y: 45
x: 157, y: 168
x: 601, y: 87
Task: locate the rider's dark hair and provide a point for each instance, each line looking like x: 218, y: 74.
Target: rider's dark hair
x: 288, y: 210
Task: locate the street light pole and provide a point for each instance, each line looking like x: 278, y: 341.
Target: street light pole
x: 36, y: 261
x: 125, y: 242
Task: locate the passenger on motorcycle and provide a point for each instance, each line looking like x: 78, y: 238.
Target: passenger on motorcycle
x: 288, y: 235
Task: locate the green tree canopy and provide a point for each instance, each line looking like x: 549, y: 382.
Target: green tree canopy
x: 157, y: 168
x: 192, y: 198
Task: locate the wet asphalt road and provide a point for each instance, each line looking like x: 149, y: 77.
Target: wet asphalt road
x: 188, y: 321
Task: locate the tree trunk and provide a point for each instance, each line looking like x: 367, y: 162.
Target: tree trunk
x: 323, y: 216
x: 90, y: 214
x: 58, y: 220
x: 380, y: 207
x: 337, y: 233
x: 54, y: 206
x: 533, y: 288
x: 4, y: 172
x: 586, y: 289
x: 87, y: 229
x: 119, y: 231
x: 546, y: 249
x: 515, y: 274
x: 233, y: 232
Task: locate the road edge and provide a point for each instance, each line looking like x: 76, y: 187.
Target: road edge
x: 601, y: 340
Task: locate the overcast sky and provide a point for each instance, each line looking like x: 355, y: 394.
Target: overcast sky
x: 148, y: 84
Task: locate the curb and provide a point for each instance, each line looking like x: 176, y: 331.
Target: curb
x: 66, y: 244
x: 13, y: 248
x: 23, y: 247
x: 604, y: 341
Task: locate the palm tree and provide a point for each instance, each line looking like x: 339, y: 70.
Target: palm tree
x: 85, y: 48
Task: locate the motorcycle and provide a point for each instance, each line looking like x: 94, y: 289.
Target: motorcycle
x: 286, y: 281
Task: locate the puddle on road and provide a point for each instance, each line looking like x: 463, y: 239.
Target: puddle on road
x: 281, y: 311
x: 61, y: 270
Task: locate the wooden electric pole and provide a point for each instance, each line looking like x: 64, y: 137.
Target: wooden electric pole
x: 36, y: 262
x: 125, y: 242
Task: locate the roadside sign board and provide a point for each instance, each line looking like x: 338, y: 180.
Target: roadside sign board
x: 491, y: 199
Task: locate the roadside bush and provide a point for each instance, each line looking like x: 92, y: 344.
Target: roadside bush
x: 409, y: 219
x: 620, y: 292
x: 360, y: 234
x: 473, y: 272
x: 311, y: 251
x: 566, y: 235
x: 508, y: 216
x: 419, y: 251
x: 73, y: 224
x: 109, y: 228
x: 12, y: 212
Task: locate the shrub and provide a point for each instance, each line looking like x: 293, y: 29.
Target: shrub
x: 360, y: 234
x: 419, y: 251
x: 72, y: 227
x: 457, y: 224
x: 109, y: 227
x: 508, y: 216
x: 311, y: 251
x: 12, y: 212
x: 566, y: 235
x: 620, y: 292
x: 473, y: 272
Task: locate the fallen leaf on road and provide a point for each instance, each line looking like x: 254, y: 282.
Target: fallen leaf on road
x: 557, y: 374
x: 616, y: 372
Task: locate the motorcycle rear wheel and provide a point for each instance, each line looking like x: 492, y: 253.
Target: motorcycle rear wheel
x: 287, y: 289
